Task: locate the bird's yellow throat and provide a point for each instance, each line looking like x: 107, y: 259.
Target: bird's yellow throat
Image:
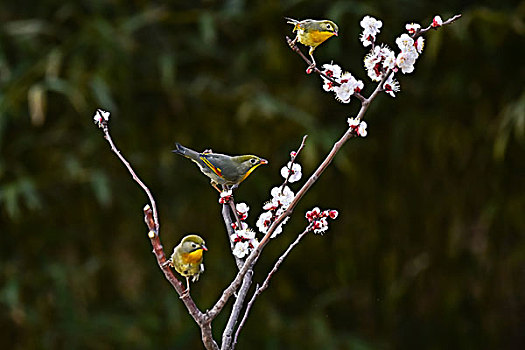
x: 250, y: 171
x: 193, y: 257
x: 318, y: 36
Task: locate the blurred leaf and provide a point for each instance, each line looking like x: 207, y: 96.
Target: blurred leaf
x: 15, y: 194
x: 37, y: 104
x: 512, y: 121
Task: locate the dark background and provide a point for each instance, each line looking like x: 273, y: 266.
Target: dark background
x: 428, y: 251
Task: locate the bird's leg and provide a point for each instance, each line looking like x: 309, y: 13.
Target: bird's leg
x: 214, y: 184
x: 165, y: 263
x: 187, y: 291
x: 312, y: 66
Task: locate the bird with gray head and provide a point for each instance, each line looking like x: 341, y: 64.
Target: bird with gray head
x: 222, y: 169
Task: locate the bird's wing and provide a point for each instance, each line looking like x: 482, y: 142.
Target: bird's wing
x: 205, y: 157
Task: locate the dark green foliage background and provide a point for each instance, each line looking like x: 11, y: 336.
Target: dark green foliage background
x: 429, y: 248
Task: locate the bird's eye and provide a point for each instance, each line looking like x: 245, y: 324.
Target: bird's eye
x: 253, y: 160
x: 328, y: 26
x: 193, y: 245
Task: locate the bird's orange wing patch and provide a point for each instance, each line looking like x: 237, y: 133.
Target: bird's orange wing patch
x: 216, y: 170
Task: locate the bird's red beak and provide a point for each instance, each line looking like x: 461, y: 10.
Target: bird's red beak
x: 335, y: 33
x: 263, y: 161
x: 204, y: 247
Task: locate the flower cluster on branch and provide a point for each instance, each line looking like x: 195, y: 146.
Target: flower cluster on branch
x: 244, y: 237
x: 319, y: 219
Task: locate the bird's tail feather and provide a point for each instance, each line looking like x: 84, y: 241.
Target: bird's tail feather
x: 186, y: 152
x: 291, y: 20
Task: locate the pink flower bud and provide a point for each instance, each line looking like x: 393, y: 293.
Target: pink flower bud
x: 437, y: 22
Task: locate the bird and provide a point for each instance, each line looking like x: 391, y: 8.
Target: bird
x: 222, y: 169
x: 312, y: 33
x: 187, y: 259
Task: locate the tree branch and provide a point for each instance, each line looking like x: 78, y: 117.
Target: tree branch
x: 259, y: 290
x: 152, y: 221
x: 107, y: 136
x: 230, y: 231
x: 236, y: 310
x: 292, y: 161
x: 254, y: 255
x: 424, y: 30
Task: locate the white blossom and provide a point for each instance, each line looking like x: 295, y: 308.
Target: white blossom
x: 295, y: 173
x: 370, y: 27
x: 101, y: 116
x: 412, y: 28
x: 348, y: 86
x: 241, y: 249
x: 391, y: 86
x: 390, y: 60
x: 328, y: 85
x: 244, y: 225
x: 278, y: 230
x: 406, y: 60
x: 225, y: 196
x: 284, y: 197
x: 316, y: 212
x: 405, y: 42
x: 352, y: 122
x: 343, y: 92
x: 367, y: 39
x: 242, y: 207
x: 419, y: 44
x: 242, y: 210
x: 270, y: 205
x: 245, y: 234
x: 226, y: 193
x: 332, y: 70
x: 253, y: 243
x: 359, y: 126
x: 320, y: 226
x: 361, y: 131
x: 264, y: 221
x: 375, y: 62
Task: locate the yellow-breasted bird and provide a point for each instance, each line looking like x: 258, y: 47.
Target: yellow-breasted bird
x: 187, y: 259
x: 313, y: 33
x: 220, y: 168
